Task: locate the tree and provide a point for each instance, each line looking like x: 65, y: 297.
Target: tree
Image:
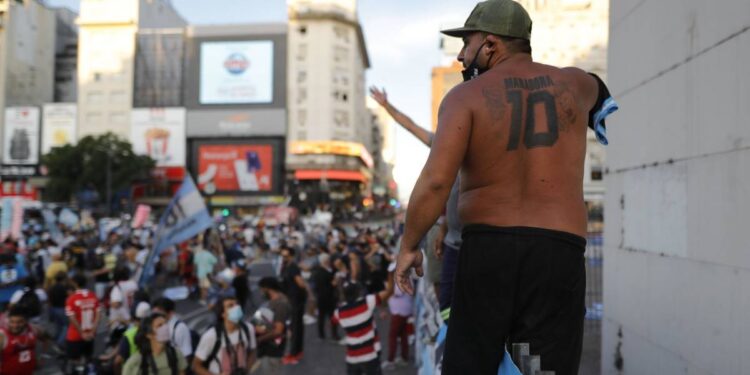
x: 72, y: 169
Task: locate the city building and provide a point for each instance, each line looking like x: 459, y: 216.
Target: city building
x: 330, y: 129
x: 237, y: 113
x: 109, y: 32
x: 676, y: 264
x: 27, y: 81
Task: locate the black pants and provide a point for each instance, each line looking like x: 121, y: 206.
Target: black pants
x: 367, y: 368
x: 517, y: 285
x: 298, y: 328
x: 448, y: 276
x: 326, y: 307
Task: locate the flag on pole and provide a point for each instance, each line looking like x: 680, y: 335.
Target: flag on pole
x: 185, y: 216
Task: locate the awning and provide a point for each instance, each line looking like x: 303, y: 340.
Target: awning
x: 314, y: 174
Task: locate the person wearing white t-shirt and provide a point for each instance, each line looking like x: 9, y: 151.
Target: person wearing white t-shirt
x: 179, y: 332
x: 229, y: 347
x: 120, y: 298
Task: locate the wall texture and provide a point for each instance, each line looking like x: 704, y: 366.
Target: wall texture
x: 677, y: 265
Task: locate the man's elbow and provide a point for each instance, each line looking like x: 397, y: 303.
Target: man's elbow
x: 438, y: 184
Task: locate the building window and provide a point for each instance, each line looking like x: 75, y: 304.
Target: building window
x: 340, y: 54
x: 342, y: 33
x: 302, y: 117
x: 302, y: 29
x: 301, y: 135
x: 302, y: 52
x: 94, y: 97
x: 341, y: 119
x: 93, y: 118
x: 117, y: 97
x: 97, y: 77
x: 301, y: 95
x: 596, y: 173
x: 301, y: 76
x: 117, y: 118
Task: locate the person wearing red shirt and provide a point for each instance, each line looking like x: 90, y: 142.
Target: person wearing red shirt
x: 17, y: 345
x: 82, y: 309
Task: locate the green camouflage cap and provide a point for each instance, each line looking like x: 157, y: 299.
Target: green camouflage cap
x: 499, y: 17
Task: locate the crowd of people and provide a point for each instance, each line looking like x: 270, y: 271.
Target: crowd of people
x: 76, y: 293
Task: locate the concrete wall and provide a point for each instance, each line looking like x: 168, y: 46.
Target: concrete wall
x: 677, y: 255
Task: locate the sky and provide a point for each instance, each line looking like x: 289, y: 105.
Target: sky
x: 402, y: 40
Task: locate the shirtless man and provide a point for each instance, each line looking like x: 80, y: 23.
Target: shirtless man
x: 517, y: 133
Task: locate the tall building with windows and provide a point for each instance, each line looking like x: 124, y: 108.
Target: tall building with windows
x: 108, y: 35
x: 330, y: 134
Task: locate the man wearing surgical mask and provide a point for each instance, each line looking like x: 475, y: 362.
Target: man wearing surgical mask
x: 229, y: 347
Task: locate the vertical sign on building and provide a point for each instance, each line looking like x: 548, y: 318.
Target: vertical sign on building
x: 21, y: 136
x: 58, y: 126
x: 159, y: 133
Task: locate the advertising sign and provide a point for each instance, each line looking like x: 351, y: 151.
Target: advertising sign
x: 332, y: 148
x: 58, y: 125
x: 236, y: 72
x: 235, y: 167
x: 160, y: 133
x: 21, y: 136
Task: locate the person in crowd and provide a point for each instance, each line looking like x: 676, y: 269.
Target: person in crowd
x: 325, y: 293
x: 400, y: 306
x: 17, y: 345
x: 179, y: 333
x: 230, y: 346
x: 155, y: 354
x: 121, y: 300
x: 241, y: 283
x: 295, y: 289
x: 82, y: 309
x: 205, y: 261
x: 128, y: 346
x: 272, y: 328
x: 356, y: 315
x: 30, y: 299
x: 58, y: 294
x: 186, y: 265
x: 104, y: 264
x: 12, y: 275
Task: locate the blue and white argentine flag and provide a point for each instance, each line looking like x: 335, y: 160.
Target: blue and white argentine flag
x: 185, y: 217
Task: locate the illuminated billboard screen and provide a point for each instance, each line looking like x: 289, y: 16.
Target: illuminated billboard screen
x: 253, y: 167
x: 239, y: 72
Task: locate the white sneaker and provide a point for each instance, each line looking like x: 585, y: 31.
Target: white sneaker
x: 388, y: 366
x: 400, y: 362
x: 309, y: 319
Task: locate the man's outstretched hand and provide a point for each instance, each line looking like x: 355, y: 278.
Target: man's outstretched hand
x: 379, y: 95
x: 408, y: 259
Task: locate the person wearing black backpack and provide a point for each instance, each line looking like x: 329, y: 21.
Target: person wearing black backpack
x: 180, y: 335
x: 228, y: 347
x: 155, y: 355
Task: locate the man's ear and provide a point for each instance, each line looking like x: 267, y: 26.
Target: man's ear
x: 494, y: 43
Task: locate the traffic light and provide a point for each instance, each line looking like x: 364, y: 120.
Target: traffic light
x: 225, y: 212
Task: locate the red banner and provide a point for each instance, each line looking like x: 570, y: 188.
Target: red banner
x: 235, y: 168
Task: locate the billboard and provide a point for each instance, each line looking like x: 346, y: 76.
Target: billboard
x: 246, y: 168
x: 58, y: 125
x: 159, y: 133
x: 21, y: 136
x: 236, y: 72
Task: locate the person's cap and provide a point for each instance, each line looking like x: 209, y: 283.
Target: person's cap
x: 498, y: 17
x: 143, y: 310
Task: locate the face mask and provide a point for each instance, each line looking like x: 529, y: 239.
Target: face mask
x: 473, y: 70
x: 162, y: 333
x: 235, y: 314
